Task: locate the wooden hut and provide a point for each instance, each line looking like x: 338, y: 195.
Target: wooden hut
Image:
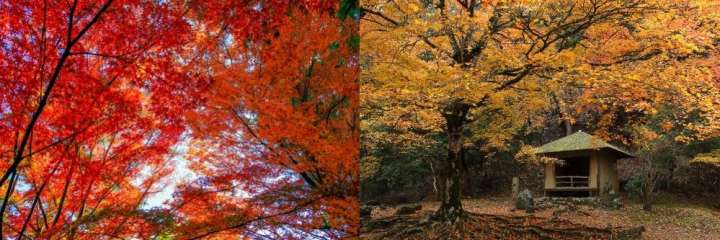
x: 588, y: 166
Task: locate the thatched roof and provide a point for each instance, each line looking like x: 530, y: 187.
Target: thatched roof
x: 580, y: 141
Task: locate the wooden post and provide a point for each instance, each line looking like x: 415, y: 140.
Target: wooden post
x: 515, y: 187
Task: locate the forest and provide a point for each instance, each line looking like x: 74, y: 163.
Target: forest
x: 475, y: 113
x: 105, y: 104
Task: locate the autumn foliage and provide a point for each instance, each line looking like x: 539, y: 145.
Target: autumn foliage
x: 483, y: 74
x: 97, y: 96
x: 278, y: 123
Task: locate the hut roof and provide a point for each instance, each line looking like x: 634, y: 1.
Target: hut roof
x: 580, y: 141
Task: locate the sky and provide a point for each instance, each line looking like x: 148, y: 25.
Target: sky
x: 181, y: 172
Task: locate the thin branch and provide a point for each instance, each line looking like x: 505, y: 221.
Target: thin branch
x: 48, y: 89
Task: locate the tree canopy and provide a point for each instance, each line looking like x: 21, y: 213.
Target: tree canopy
x: 99, y: 96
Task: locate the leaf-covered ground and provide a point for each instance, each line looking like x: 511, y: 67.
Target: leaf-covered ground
x: 670, y: 219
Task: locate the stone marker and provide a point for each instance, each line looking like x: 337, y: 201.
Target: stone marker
x: 525, y: 201
x: 515, y: 187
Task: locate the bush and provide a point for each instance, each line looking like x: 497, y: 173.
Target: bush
x: 634, y: 186
x: 698, y: 180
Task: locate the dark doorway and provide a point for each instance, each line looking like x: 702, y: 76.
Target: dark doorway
x: 574, y: 173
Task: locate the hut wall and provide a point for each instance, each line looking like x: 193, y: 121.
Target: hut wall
x: 549, y: 175
x: 593, y: 170
x: 608, y: 173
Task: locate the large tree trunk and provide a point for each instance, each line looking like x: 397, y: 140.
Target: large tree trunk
x: 564, y: 116
x: 449, y: 172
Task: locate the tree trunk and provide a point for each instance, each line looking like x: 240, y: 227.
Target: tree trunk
x: 568, y: 127
x: 647, y: 197
x: 564, y: 116
x: 647, y: 206
x: 648, y: 185
x: 449, y: 172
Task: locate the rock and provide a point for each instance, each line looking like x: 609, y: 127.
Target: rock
x: 543, y: 203
x: 572, y: 207
x: 366, y: 211
x: 408, y: 209
x: 616, y: 203
x: 562, y: 208
x: 525, y: 201
x: 612, y: 194
x: 590, y: 201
